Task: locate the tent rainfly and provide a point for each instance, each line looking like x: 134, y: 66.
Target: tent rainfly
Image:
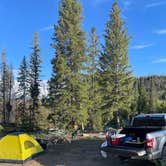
x: 18, y: 147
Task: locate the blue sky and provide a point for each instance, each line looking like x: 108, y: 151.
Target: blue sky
x: 145, y: 20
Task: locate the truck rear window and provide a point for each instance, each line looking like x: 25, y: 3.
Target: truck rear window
x: 149, y: 121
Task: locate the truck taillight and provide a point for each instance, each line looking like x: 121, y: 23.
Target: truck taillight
x: 150, y: 143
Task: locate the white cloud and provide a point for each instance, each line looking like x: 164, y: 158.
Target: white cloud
x: 155, y: 4
x: 160, y: 32
x: 141, y: 46
x: 162, y: 60
x: 47, y: 28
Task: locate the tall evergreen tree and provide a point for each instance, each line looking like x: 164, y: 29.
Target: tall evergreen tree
x: 134, y: 105
x: 23, y: 80
x: 67, y: 84
x: 4, y: 85
x: 10, y: 78
x: 142, y: 98
x: 34, y: 76
x: 95, y: 116
x: 152, y: 96
x: 115, y: 70
x: 6, y: 88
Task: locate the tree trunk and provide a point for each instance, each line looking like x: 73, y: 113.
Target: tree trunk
x: 24, y: 107
x: 4, y: 108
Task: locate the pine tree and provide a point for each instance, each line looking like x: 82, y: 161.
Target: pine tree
x: 7, y: 82
x: 10, y: 82
x: 142, y: 98
x: 57, y: 85
x: 3, y: 84
x: 95, y: 116
x: 152, y: 96
x: 67, y: 84
x: 34, y: 76
x: 135, y: 94
x: 23, y: 80
x: 115, y: 71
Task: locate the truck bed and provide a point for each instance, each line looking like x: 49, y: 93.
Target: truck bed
x: 139, y: 132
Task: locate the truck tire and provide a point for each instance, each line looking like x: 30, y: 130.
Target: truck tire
x: 163, y: 156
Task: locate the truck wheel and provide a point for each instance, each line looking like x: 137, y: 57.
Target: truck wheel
x: 163, y: 156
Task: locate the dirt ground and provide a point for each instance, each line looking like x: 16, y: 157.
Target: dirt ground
x: 78, y: 153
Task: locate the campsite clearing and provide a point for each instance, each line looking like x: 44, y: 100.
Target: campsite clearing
x: 78, y: 153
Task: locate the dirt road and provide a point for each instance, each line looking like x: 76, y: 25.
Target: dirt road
x: 78, y: 153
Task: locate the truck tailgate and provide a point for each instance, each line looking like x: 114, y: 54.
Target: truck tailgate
x: 124, y: 151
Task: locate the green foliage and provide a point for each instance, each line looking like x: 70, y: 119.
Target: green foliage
x: 149, y: 93
x: 161, y: 106
x: 88, y: 87
x: 1, y: 128
x: 23, y: 91
x: 6, y: 88
x: 94, y: 96
x: 23, y: 77
x: 97, y: 121
x: 143, y: 98
x: 152, y: 97
x: 68, y: 88
x: 34, y: 76
x: 135, y: 94
x: 116, y: 76
x: 43, y: 124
